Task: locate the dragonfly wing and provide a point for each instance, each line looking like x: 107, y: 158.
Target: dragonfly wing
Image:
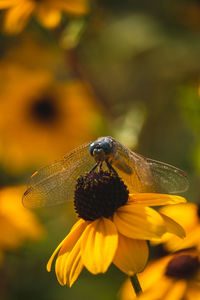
x: 121, y: 164
x: 55, y: 183
x: 148, y: 175
x: 168, y: 178
x: 133, y: 169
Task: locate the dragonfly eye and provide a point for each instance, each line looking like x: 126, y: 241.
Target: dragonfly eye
x: 92, y: 147
x: 106, y: 147
x: 99, y: 147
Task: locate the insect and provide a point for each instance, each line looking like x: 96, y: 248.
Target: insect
x: 56, y: 182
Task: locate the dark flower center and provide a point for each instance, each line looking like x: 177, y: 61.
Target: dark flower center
x: 44, y: 109
x: 182, y: 267
x: 99, y: 194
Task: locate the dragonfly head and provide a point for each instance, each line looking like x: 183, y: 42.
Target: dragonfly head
x: 101, y: 149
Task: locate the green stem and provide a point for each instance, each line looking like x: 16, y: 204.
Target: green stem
x: 136, y: 285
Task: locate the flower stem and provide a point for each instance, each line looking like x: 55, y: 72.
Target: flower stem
x: 136, y: 285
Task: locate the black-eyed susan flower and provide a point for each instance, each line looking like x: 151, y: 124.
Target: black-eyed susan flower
x: 17, y: 223
x: 38, y: 111
x: 188, y: 216
x: 48, y: 12
x: 113, y: 228
x: 174, y: 277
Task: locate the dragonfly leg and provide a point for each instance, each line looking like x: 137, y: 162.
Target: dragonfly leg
x: 110, y: 167
x: 92, y: 170
x: 100, y: 166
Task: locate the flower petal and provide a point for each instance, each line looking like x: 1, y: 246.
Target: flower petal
x: 48, y: 16
x: 54, y: 254
x: 139, y: 222
x: 173, y: 227
x: 66, y: 239
x: 99, y: 244
x: 78, y: 223
x: 185, y: 214
x: 68, y: 264
x: 152, y: 274
x: 151, y: 293
x: 17, y: 17
x: 159, y: 290
x: 8, y: 3
x: 131, y: 255
x: 191, y: 240
x: 193, y: 291
x: 78, y: 7
x: 177, y: 291
x: 153, y: 199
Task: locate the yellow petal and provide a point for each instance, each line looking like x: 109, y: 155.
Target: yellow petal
x: 153, y: 199
x: 78, y: 225
x: 99, y: 244
x: 78, y: 7
x: 126, y: 291
x: 191, y: 240
x: 131, y: 255
x: 153, y: 292
x: 152, y: 274
x: 177, y: 291
x: 158, y: 291
x: 8, y: 3
x: 184, y: 214
x: 54, y: 254
x: 47, y: 16
x: 173, y: 227
x: 68, y: 264
x: 193, y: 292
x: 17, y: 17
x: 139, y: 222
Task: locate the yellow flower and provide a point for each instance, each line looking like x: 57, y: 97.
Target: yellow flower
x: 38, y: 111
x: 187, y: 215
x: 113, y: 227
x: 48, y: 12
x: 174, y: 277
x: 16, y: 222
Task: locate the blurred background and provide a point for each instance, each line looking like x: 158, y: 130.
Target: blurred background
x: 69, y: 74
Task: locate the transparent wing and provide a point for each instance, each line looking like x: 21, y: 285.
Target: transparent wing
x: 168, y: 178
x: 136, y: 181
x: 148, y: 175
x: 56, y: 182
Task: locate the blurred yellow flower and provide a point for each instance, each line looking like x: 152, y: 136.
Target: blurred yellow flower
x: 174, y: 277
x: 48, y: 12
x: 34, y: 53
x: 41, y: 117
x: 17, y: 223
x: 113, y: 227
x: 188, y: 216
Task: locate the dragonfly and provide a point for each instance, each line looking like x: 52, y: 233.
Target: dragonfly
x: 55, y: 183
